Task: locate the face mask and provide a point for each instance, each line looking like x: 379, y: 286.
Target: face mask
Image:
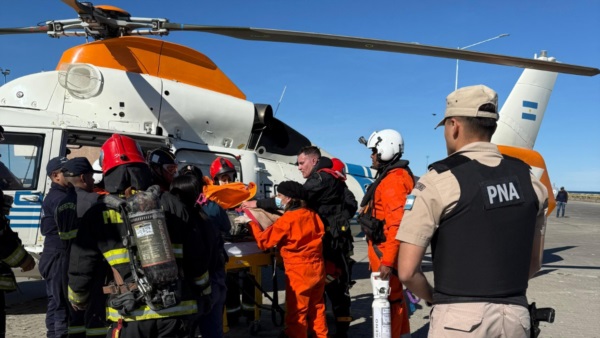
x: 279, y: 203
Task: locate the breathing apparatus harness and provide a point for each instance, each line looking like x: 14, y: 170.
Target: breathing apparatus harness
x: 371, y: 226
x: 151, y: 257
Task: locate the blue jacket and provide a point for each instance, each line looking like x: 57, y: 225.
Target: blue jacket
x: 562, y: 196
x: 48, y: 224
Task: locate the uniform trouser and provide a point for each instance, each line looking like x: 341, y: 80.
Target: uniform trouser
x: 95, y: 313
x: 339, y: 295
x: 479, y: 320
x: 233, y: 304
x: 305, y: 305
x: 211, y: 324
x: 52, y: 268
x: 155, y: 328
x: 398, y: 306
x: 91, y: 322
x: 2, y: 314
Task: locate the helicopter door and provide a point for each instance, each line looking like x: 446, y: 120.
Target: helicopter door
x: 271, y: 173
x: 24, y: 155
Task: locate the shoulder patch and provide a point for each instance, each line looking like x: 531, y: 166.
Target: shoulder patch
x: 410, y: 201
x: 420, y: 186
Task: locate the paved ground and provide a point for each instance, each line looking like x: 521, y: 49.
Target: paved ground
x: 569, y: 282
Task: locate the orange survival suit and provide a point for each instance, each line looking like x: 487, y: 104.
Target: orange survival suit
x: 298, y: 234
x: 387, y: 206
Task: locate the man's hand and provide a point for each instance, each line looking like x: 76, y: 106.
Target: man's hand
x: 384, y: 272
x: 28, y: 264
x: 249, y: 204
x: 242, y: 219
x: 78, y: 307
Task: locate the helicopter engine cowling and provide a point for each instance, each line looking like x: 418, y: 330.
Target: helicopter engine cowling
x: 263, y: 116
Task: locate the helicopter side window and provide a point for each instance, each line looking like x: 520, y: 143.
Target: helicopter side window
x: 20, y: 158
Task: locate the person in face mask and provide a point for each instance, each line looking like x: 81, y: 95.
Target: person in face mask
x: 298, y: 235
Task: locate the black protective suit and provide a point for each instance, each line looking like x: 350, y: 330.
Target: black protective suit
x: 12, y: 255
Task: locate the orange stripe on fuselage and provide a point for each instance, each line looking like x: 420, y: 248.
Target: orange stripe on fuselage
x: 154, y: 57
x: 534, y: 159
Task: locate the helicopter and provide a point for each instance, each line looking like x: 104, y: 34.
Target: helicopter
x: 167, y: 95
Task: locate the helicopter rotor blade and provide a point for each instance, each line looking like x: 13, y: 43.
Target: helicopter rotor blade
x: 272, y: 35
x: 25, y: 30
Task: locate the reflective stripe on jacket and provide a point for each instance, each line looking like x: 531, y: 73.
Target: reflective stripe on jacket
x: 144, y: 312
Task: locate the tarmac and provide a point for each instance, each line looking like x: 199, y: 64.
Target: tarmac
x: 569, y: 282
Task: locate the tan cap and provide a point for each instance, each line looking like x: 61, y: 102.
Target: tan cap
x: 466, y: 101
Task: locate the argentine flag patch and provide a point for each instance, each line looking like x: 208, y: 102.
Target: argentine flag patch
x: 410, y: 201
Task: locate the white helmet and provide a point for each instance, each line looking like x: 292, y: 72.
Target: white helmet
x: 97, y: 176
x: 388, y: 143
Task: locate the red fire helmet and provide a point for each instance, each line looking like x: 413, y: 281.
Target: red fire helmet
x: 119, y: 150
x: 221, y: 166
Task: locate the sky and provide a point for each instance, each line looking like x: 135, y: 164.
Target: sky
x: 335, y: 95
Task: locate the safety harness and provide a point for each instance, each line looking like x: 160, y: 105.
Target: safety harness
x: 370, y: 225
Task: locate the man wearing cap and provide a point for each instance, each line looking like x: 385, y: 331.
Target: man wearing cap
x: 78, y: 173
x: 484, y: 216
x: 54, y: 250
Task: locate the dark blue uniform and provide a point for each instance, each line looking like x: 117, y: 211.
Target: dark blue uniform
x: 52, y: 264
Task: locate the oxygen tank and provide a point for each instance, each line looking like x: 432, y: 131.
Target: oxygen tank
x: 151, y: 237
x: 382, y: 321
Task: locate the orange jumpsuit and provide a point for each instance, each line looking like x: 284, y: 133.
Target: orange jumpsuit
x: 389, y: 200
x: 298, y: 234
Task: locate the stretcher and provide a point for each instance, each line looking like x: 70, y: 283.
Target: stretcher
x: 247, y: 255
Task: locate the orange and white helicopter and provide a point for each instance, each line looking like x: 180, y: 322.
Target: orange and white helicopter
x: 165, y: 94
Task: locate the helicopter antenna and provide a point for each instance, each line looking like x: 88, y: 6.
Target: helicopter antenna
x: 280, y: 99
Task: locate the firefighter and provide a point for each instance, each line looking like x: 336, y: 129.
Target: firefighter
x: 148, y: 296
x: 224, y: 173
x: 211, y: 324
x: 163, y: 166
x: 382, y: 209
x: 12, y: 253
x: 54, y: 252
x: 298, y: 235
x: 78, y: 173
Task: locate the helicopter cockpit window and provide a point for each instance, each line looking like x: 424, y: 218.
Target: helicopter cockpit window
x: 20, y: 158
